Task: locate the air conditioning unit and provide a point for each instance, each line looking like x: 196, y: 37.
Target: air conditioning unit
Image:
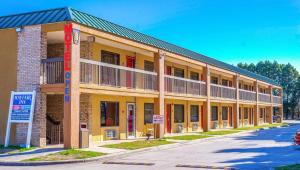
x: 225, y: 124
x: 179, y: 128
x: 111, y: 134
x: 214, y: 125
x: 195, y: 126
x: 246, y: 123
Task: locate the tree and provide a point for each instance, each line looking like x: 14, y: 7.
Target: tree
x: 284, y: 74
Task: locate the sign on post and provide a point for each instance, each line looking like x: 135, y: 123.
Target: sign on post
x: 158, y: 119
x: 21, y: 110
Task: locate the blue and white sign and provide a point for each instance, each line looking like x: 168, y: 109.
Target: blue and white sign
x: 21, y: 110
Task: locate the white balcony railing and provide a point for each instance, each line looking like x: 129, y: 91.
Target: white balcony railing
x: 104, y: 74
x: 262, y: 97
x: 222, y: 91
x: 277, y: 100
x: 247, y: 95
x: 184, y: 86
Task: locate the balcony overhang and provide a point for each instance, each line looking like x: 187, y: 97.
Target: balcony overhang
x: 106, y: 90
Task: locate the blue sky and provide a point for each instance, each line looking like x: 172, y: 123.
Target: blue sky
x: 229, y: 30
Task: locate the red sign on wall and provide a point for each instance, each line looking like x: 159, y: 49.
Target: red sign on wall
x: 67, y: 60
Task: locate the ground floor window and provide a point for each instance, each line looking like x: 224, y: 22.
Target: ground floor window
x: 214, y: 113
x: 224, y: 113
x: 109, y: 114
x: 148, y: 112
x: 240, y: 113
x: 262, y: 112
x: 245, y: 113
x: 194, y: 112
x: 178, y: 113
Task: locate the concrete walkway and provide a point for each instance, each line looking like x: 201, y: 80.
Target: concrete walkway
x: 248, y: 150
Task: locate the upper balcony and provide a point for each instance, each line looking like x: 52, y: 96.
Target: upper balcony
x: 247, y: 95
x: 265, y: 98
x: 104, y: 74
x: 277, y: 99
x: 220, y: 91
x: 183, y: 86
x: 52, y: 70
x: 121, y: 77
x: 101, y: 74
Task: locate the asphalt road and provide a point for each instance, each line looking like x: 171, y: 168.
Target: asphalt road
x: 252, y: 150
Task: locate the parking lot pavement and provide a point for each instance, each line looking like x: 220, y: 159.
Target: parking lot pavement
x: 252, y: 150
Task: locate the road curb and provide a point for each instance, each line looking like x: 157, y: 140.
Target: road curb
x: 205, y: 167
x: 100, y: 158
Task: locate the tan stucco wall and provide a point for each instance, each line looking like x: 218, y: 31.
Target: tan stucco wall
x: 187, y: 124
x: 98, y: 132
x: 8, y: 74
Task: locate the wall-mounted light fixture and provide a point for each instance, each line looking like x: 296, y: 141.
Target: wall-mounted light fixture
x: 19, y: 29
x: 91, y: 39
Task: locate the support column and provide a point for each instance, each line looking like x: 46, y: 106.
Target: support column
x: 86, y: 113
x: 281, y: 113
x: 207, y: 107
x: 256, y: 108
x: 159, y: 103
x: 237, y: 104
x: 281, y: 108
x: 71, y: 92
x: 187, y: 118
x: 270, y: 112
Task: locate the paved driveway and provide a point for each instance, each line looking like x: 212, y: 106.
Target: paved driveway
x: 251, y: 150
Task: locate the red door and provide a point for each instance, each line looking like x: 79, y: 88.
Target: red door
x: 168, y: 83
x: 168, y: 117
x: 168, y: 70
x: 130, y: 62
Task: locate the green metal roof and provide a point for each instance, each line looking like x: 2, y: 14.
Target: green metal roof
x: 69, y: 14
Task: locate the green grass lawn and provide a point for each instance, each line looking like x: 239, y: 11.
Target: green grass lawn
x: 262, y: 126
x: 220, y: 132
x: 289, y: 167
x: 188, y: 137
x: 138, y: 144
x: 14, y: 149
x: 70, y: 154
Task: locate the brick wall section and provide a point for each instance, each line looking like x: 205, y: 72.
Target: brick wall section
x: 86, y: 113
x: 85, y: 109
x: 55, y: 50
x: 86, y: 49
x: 32, y: 47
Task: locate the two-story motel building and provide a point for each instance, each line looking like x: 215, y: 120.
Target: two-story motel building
x: 91, y: 72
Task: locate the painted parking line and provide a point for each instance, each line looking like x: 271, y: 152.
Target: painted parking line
x: 205, y: 167
x: 129, y: 163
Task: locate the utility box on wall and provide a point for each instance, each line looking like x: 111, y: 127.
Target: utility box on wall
x: 83, y: 136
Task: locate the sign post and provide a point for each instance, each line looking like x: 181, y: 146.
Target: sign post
x: 157, y: 120
x: 21, y: 110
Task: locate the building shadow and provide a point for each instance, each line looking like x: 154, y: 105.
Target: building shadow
x: 282, y: 150
x: 35, y: 151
